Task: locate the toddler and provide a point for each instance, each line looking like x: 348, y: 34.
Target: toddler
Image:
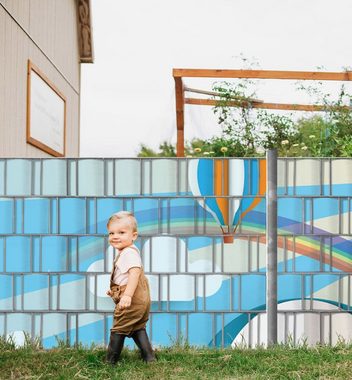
x: 129, y: 289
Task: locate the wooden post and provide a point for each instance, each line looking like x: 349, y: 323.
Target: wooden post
x: 180, y: 118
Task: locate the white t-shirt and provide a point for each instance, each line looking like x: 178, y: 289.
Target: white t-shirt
x: 127, y: 258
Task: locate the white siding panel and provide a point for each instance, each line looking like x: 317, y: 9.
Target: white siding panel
x: 15, y: 50
x: 19, y: 10
x: 53, y: 26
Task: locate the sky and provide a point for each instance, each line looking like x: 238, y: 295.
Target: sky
x: 128, y: 95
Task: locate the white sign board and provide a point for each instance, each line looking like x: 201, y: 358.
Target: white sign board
x: 46, y: 114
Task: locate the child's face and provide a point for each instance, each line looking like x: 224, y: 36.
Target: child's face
x: 121, y: 234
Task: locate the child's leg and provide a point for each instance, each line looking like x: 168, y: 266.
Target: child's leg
x: 115, y: 347
x: 140, y: 337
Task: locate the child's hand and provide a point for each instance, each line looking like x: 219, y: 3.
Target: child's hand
x: 125, y: 302
x: 109, y: 293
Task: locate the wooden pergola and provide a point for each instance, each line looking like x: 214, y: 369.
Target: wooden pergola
x: 181, y: 100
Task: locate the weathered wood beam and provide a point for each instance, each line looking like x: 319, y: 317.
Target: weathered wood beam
x: 214, y: 93
x: 263, y: 74
x: 269, y: 106
x: 180, y: 117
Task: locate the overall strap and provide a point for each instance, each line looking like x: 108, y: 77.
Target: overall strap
x: 113, y: 265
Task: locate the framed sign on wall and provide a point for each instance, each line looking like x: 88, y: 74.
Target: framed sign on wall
x: 46, y: 113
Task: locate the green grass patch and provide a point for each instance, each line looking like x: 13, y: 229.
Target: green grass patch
x: 280, y: 362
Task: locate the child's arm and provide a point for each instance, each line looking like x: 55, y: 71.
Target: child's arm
x: 133, y: 276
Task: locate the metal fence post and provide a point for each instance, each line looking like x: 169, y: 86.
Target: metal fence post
x: 271, y: 245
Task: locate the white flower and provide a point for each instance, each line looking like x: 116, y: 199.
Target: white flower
x: 206, y: 153
x: 197, y: 150
x: 312, y: 136
x: 295, y: 145
x: 224, y: 149
x: 211, y: 152
x: 284, y: 142
x: 304, y: 148
x: 189, y: 156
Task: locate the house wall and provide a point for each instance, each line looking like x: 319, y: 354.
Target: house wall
x: 44, y: 32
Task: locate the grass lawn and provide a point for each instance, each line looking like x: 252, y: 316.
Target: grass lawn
x: 281, y: 362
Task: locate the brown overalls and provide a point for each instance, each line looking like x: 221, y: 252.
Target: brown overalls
x: 135, y: 317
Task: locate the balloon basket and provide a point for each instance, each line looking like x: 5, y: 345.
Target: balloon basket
x: 228, y: 238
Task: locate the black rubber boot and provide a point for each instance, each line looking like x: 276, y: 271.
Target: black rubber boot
x: 115, y: 347
x: 140, y: 337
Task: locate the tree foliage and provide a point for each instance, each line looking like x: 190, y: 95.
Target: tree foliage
x: 166, y: 149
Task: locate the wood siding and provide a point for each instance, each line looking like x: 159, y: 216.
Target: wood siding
x: 46, y: 33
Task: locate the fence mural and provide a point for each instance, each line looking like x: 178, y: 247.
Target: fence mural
x: 207, y: 289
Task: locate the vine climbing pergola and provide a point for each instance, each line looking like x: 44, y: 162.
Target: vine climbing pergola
x: 181, y: 89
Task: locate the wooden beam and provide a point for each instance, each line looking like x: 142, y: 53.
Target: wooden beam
x: 180, y: 118
x: 214, y: 93
x: 263, y: 74
x: 269, y: 106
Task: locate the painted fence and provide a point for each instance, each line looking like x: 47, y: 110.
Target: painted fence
x: 206, y: 289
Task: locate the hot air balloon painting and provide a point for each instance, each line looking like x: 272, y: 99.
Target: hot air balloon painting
x: 220, y: 181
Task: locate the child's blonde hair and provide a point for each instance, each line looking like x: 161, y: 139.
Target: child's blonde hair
x: 130, y: 219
